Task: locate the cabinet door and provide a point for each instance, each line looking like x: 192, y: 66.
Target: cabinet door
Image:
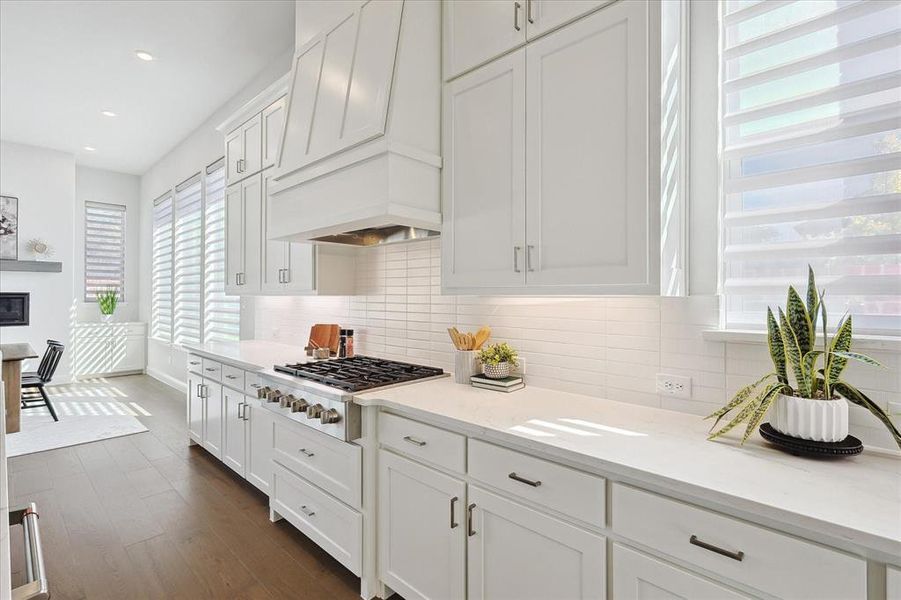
x: 300, y: 272
x: 275, y: 254
x: 260, y: 426
x: 273, y: 121
x: 422, y: 531
x: 252, y: 134
x: 477, y: 31
x: 592, y: 214
x: 544, y: 15
x: 517, y: 553
x: 127, y: 353
x: 893, y: 583
x: 92, y: 355
x: 252, y: 198
x: 234, y: 155
x: 233, y: 437
x: 212, y: 417
x: 637, y: 576
x: 194, y: 408
x: 234, y: 238
x: 484, y: 176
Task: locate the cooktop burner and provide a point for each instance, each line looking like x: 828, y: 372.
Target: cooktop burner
x: 359, y: 372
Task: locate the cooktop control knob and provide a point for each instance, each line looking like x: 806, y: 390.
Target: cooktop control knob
x: 261, y: 393
x: 286, y: 401
x: 315, y: 411
x: 299, y: 405
x: 273, y: 395
x: 330, y: 416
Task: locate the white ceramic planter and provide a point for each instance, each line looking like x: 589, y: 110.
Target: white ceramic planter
x: 498, y: 371
x: 817, y: 420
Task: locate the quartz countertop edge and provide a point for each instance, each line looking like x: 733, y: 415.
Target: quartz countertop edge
x: 852, y: 503
x: 250, y: 355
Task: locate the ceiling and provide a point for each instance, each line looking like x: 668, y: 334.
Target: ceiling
x: 63, y: 62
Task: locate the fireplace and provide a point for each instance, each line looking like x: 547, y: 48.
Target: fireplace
x: 13, y: 308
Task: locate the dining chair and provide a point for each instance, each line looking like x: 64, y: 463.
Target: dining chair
x: 37, y: 380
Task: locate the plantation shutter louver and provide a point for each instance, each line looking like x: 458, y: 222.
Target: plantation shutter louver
x: 811, y: 157
x: 161, y: 287
x: 104, y: 249
x: 188, y: 261
x: 222, y: 313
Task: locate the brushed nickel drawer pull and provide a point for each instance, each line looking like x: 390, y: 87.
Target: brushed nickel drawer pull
x: 307, y: 453
x: 210, y: 369
x: 471, y: 532
x: 727, y: 553
x: 307, y: 511
x: 453, y: 502
x: 516, y: 477
x: 413, y: 440
x: 231, y: 376
x: 194, y: 362
x: 516, y: 7
x: 240, y: 414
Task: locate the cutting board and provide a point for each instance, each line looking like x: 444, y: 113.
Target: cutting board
x: 325, y: 336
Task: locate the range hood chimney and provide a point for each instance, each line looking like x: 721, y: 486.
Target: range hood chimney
x: 359, y: 162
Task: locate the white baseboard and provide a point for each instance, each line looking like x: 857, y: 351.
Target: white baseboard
x: 172, y: 382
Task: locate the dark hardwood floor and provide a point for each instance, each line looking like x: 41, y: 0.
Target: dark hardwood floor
x: 148, y: 516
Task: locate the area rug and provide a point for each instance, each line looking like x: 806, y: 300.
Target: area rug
x: 69, y: 431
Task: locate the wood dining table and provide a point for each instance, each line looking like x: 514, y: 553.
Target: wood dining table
x: 13, y: 355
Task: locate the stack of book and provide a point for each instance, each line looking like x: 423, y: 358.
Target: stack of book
x: 507, y: 384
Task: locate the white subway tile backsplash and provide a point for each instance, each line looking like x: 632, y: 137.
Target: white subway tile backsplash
x: 610, y: 347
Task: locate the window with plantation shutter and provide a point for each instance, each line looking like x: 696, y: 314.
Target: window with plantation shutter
x: 104, y: 249
x: 222, y: 313
x: 161, y: 277
x: 811, y: 156
x: 188, y: 261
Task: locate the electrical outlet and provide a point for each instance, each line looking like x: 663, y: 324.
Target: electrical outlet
x: 676, y: 386
x: 520, y: 368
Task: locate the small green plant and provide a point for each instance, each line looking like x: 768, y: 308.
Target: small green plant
x: 107, y: 300
x: 792, y: 339
x: 498, y: 353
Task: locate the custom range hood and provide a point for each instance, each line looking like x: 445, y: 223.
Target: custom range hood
x: 359, y: 160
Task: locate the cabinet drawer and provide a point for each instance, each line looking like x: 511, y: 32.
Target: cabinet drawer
x: 252, y: 383
x: 195, y: 364
x: 233, y: 377
x: 212, y: 370
x: 775, y: 563
x: 336, y: 528
x: 575, y: 493
x: 333, y: 465
x: 429, y: 443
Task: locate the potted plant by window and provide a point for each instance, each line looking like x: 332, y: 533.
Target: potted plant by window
x: 497, y: 360
x: 805, y: 389
x: 107, y: 301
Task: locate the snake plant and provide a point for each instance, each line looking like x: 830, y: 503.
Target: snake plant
x: 792, y: 338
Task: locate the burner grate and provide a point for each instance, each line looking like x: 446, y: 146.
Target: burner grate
x: 359, y: 372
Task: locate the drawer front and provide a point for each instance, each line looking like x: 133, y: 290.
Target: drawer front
x: 333, y: 465
x: 195, y: 364
x: 233, y: 377
x: 775, y: 563
x: 432, y: 444
x: 212, y: 370
x: 336, y: 528
x: 571, y: 492
x: 135, y: 329
x: 252, y: 383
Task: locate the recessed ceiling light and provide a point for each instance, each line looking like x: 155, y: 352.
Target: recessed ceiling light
x: 90, y: 148
x: 143, y: 55
x: 107, y: 113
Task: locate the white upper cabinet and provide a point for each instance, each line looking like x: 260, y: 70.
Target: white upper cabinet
x: 475, y: 31
x: 483, y: 233
x: 243, y: 150
x: 272, y: 124
x: 340, y: 85
x: 591, y: 221
x: 287, y: 267
x: 588, y: 220
x: 243, y: 213
x: 544, y: 15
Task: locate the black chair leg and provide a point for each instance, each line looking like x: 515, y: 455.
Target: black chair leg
x: 49, y: 404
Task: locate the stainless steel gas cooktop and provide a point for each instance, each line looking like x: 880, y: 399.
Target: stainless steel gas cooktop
x: 359, y: 372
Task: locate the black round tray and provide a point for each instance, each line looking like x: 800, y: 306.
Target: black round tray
x: 800, y: 447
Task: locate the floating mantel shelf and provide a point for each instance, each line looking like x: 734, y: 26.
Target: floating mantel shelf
x: 35, y: 266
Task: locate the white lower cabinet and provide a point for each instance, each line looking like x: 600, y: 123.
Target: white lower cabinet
x: 422, y: 530
x: 637, y: 576
x: 107, y: 348
x: 195, y: 408
x: 234, y: 442
x: 517, y: 553
x: 212, y: 417
x: 258, y: 459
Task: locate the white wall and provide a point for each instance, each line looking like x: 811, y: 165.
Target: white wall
x: 95, y: 185
x: 44, y: 182
x: 202, y: 147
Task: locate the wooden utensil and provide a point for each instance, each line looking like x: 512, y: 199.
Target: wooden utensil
x: 481, y: 337
x: 325, y: 336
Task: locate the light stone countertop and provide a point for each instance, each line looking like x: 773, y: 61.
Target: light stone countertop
x: 852, y: 503
x: 251, y: 355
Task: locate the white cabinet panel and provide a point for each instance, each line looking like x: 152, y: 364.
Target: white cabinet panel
x: 516, y: 553
x: 132, y: 357
x: 194, y: 407
x: 212, y: 417
x: 233, y: 434
x: 893, y: 583
x: 591, y: 222
x: 252, y: 132
x: 234, y: 238
x: 234, y: 155
x: 260, y: 425
x: 243, y: 231
x: 300, y: 270
x: 287, y: 267
x: 477, y: 31
x: 273, y: 122
x: 637, y: 576
x: 544, y: 15
x: 484, y: 176
x: 422, y: 533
